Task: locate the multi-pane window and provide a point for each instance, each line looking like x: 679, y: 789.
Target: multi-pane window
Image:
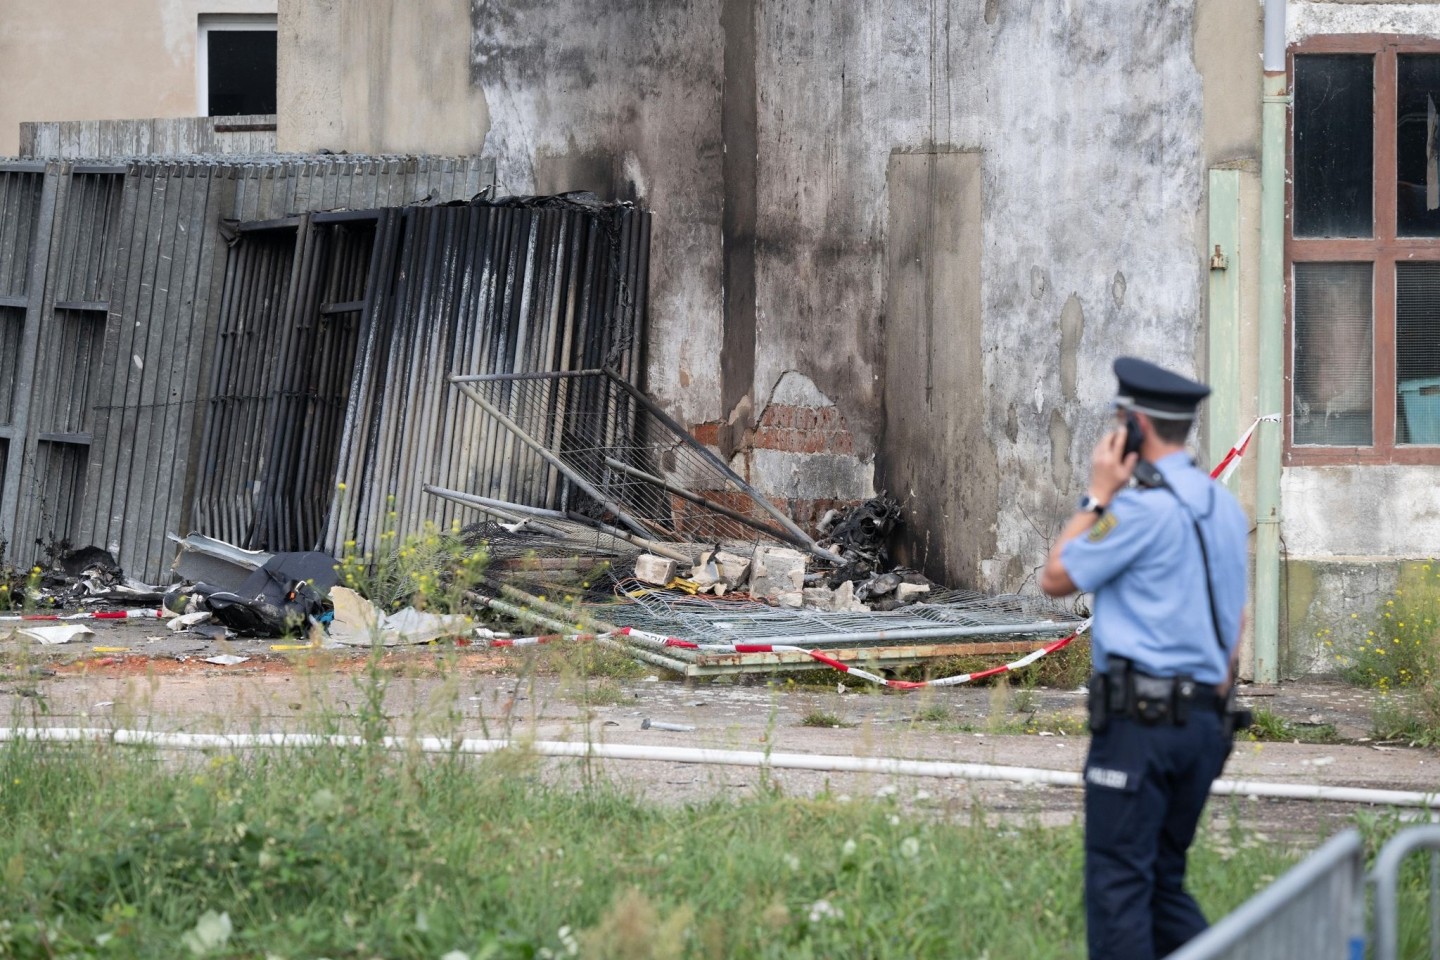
x: 1364, y: 251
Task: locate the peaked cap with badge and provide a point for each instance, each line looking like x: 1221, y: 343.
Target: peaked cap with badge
x: 1152, y: 390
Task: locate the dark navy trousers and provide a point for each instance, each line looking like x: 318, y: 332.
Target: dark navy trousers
x: 1145, y: 788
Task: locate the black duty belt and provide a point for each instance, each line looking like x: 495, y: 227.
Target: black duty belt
x: 1123, y: 691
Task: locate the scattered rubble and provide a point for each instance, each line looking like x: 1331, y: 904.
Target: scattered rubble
x: 71, y: 578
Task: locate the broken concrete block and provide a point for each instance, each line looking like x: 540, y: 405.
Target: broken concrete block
x: 653, y: 569
x: 733, y: 567
x: 910, y: 592
x: 845, y: 601
x: 790, y: 599
x: 720, y: 571
x: 777, y: 570
x: 819, y: 598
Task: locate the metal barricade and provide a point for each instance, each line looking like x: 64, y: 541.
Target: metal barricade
x: 1385, y: 878
x: 1315, y: 911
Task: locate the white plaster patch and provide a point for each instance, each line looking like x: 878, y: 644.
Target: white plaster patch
x: 636, y: 175
x: 812, y: 476
x: 797, y: 390
x: 1360, y: 511
x: 1304, y: 20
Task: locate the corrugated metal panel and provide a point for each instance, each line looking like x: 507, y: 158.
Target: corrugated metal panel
x: 110, y: 284
x: 506, y: 287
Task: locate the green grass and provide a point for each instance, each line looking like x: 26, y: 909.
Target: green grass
x: 1273, y: 727
x: 823, y: 718
x: 118, y: 853
x: 1400, y: 658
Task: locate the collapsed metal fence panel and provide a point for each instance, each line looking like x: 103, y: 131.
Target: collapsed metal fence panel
x: 589, y: 442
x: 110, y: 280
x: 334, y: 397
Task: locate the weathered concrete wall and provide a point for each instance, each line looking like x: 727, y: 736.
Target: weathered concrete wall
x: 101, y: 59
x: 1305, y: 19
x: 1093, y: 141
x: 936, y: 457
x: 1331, y: 607
x: 1360, y: 511
x: 378, y: 76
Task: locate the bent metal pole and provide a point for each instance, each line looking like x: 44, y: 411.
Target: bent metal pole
x: 741, y: 758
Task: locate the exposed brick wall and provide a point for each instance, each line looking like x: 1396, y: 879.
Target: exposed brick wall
x: 789, y: 429
x: 803, y: 430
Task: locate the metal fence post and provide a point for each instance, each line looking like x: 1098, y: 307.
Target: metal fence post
x: 1385, y: 879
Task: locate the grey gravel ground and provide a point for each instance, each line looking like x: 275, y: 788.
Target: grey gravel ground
x: 142, y: 675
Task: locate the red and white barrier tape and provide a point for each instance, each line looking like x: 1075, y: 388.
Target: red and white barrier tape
x: 1231, y: 461
x: 658, y: 641
x: 157, y: 614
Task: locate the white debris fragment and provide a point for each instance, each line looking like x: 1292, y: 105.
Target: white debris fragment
x: 186, y: 621
x: 226, y: 659
x: 907, y: 592
x: 52, y: 636
x: 359, y: 623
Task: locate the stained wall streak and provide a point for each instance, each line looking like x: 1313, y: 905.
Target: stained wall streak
x: 636, y: 89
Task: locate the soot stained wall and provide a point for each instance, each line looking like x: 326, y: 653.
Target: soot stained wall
x: 1085, y: 122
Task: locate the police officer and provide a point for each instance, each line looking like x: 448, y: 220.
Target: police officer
x: 1168, y: 609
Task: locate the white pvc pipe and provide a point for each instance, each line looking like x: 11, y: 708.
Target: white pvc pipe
x: 740, y: 758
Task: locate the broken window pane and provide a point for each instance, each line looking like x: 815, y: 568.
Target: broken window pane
x: 1334, y: 136
x: 1417, y: 352
x: 1417, y: 162
x: 1333, y: 369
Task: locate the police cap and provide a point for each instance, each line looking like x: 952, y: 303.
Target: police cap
x: 1155, y: 391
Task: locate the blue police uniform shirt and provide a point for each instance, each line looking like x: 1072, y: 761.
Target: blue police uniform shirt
x: 1143, y: 563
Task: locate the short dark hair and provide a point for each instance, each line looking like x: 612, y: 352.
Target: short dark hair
x: 1171, y: 431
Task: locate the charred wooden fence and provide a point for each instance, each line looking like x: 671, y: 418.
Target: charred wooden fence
x: 112, y: 278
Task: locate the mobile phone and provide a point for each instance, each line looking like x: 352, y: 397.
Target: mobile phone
x: 1133, y: 437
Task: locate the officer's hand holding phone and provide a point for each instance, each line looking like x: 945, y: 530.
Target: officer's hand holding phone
x: 1113, y: 462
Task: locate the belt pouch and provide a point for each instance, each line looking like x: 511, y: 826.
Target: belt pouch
x: 1184, y: 699
x: 1152, y: 698
x: 1119, y: 693
x: 1099, y: 702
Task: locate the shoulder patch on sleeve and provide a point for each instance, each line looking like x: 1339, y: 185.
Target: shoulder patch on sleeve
x: 1103, y: 527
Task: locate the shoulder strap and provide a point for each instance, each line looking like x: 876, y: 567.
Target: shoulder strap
x: 1154, y: 478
